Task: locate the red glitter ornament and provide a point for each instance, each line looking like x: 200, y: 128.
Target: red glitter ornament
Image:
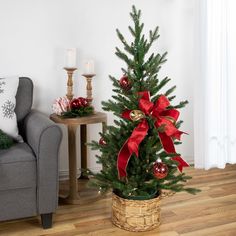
x: 125, y: 83
x: 83, y: 101
x: 102, y: 142
x: 160, y: 170
x: 75, y: 104
x: 79, y: 102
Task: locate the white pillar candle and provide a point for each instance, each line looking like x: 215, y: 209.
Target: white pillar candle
x: 89, y: 67
x: 71, y: 58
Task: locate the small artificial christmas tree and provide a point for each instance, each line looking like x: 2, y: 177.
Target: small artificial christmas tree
x: 138, y: 153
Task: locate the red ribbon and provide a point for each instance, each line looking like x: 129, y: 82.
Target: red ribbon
x: 164, y: 118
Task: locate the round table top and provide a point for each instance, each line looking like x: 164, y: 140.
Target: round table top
x: 97, y: 117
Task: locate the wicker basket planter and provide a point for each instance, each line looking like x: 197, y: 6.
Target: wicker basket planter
x: 135, y: 215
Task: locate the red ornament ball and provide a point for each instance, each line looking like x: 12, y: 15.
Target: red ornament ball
x: 160, y: 170
x: 79, y: 102
x: 75, y: 104
x: 102, y: 142
x: 83, y: 101
x: 125, y: 83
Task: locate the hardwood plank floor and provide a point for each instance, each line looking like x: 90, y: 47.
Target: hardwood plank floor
x: 211, y: 212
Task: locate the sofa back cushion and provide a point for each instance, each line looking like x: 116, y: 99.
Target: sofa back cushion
x: 24, y: 98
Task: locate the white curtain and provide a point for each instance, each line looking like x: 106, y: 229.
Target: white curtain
x: 215, y: 87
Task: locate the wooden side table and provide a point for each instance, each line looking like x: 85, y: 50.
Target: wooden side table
x: 72, y: 124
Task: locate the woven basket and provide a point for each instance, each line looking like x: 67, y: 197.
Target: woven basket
x: 135, y: 215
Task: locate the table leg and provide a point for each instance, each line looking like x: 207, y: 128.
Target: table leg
x: 83, y: 136
x: 73, y: 197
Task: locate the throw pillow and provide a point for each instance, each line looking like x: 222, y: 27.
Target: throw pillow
x: 8, y: 121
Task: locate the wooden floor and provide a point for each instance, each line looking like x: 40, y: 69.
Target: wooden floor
x: 211, y: 212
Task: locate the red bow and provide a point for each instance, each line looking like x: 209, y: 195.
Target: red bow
x: 164, y: 120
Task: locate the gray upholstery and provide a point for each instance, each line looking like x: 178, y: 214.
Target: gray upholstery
x: 17, y: 167
x: 24, y: 98
x: 43, y: 140
x: 18, y: 203
x: 29, y: 171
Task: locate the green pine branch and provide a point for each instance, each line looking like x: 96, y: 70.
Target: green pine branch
x: 5, y: 141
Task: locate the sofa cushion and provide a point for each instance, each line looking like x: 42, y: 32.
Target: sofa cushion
x: 24, y: 98
x: 17, y: 167
x: 18, y: 203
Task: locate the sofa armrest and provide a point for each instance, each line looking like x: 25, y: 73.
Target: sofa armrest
x: 44, y: 137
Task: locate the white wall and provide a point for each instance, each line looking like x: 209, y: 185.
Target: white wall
x: 34, y: 35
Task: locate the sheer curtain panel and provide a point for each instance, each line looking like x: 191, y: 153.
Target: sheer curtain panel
x: 215, y: 87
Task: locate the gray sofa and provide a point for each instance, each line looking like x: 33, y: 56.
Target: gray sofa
x: 29, y: 170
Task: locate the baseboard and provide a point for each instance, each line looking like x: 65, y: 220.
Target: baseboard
x: 64, y: 174
x: 190, y: 160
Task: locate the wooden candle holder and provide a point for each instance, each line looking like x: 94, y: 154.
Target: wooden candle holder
x: 89, y: 87
x: 70, y: 72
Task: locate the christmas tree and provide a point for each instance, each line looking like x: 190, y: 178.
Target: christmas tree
x: 138, y: 153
